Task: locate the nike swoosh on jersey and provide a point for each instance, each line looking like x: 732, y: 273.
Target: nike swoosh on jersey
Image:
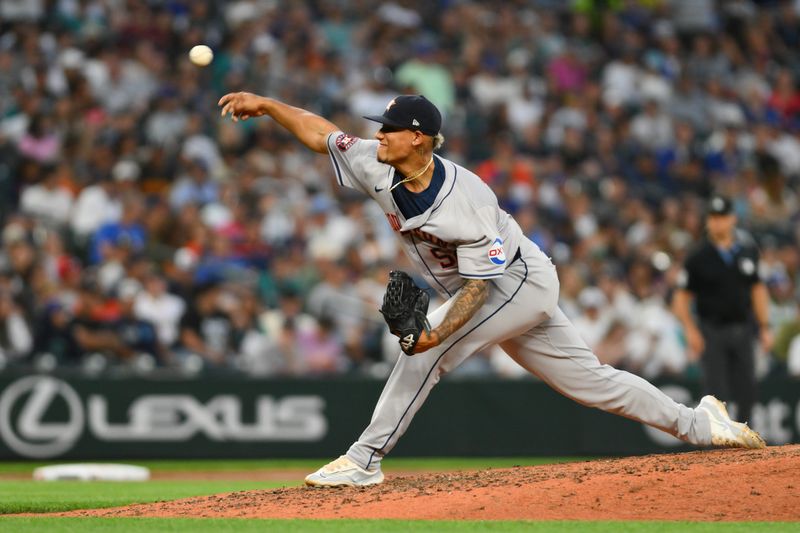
x: 377, y: 189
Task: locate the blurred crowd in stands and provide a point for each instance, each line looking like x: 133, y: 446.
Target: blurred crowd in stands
x: 140, y: 231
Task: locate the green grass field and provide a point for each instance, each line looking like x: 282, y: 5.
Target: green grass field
x: 24, y: 496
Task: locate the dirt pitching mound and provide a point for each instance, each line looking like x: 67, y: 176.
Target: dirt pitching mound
x: 704, y: 485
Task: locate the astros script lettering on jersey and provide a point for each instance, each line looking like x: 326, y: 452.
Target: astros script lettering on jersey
x: 427, y: 237
x: 394, y: 222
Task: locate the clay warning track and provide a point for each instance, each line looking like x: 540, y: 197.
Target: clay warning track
x: 716, y: 485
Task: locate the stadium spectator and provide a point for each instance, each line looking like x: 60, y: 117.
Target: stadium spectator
x: 208, y: 328
x: 599, y: 327
x: 160, y: 307
x: 47, y: 200
x: 610, y: 126
x: 16, y: 339
x: 95, y: 206
x: 114, y: 241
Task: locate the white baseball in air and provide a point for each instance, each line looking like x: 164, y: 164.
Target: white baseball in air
x: 201, y: 55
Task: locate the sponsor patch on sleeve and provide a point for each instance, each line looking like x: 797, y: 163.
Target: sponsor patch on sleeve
x: 497, y: 253
x: 345, y: 141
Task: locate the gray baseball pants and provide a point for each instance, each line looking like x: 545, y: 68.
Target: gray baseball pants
x: 523, y: 317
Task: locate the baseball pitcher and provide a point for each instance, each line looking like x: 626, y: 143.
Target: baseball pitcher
x: 498, y: 286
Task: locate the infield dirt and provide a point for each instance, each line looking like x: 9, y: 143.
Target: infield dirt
x: 717, y: 485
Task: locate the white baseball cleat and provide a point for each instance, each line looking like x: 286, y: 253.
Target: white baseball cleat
x: 344, y: 473
x: 727, y: 432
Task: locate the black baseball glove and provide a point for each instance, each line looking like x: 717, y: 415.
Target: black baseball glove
x: 404, y: 308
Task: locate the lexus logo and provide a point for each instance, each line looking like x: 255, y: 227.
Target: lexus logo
x: 32, y: 436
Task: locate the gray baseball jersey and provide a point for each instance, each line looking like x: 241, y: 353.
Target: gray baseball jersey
x: 464, y: 234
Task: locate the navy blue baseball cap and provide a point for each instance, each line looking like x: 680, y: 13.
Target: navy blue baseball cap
x: 411, y: 112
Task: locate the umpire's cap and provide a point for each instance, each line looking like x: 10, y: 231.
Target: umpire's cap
x: 411, y: 112
x: 720, y: 205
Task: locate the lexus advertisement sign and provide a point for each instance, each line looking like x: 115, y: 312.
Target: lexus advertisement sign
x: 44, y: 417
x: 47, y: 417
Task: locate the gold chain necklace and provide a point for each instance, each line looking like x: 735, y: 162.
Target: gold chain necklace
x: 413, y: 176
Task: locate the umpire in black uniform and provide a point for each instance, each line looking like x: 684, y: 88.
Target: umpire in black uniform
x: 732, y: 308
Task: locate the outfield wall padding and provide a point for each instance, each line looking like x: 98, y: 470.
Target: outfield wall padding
x: 58, y: 417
